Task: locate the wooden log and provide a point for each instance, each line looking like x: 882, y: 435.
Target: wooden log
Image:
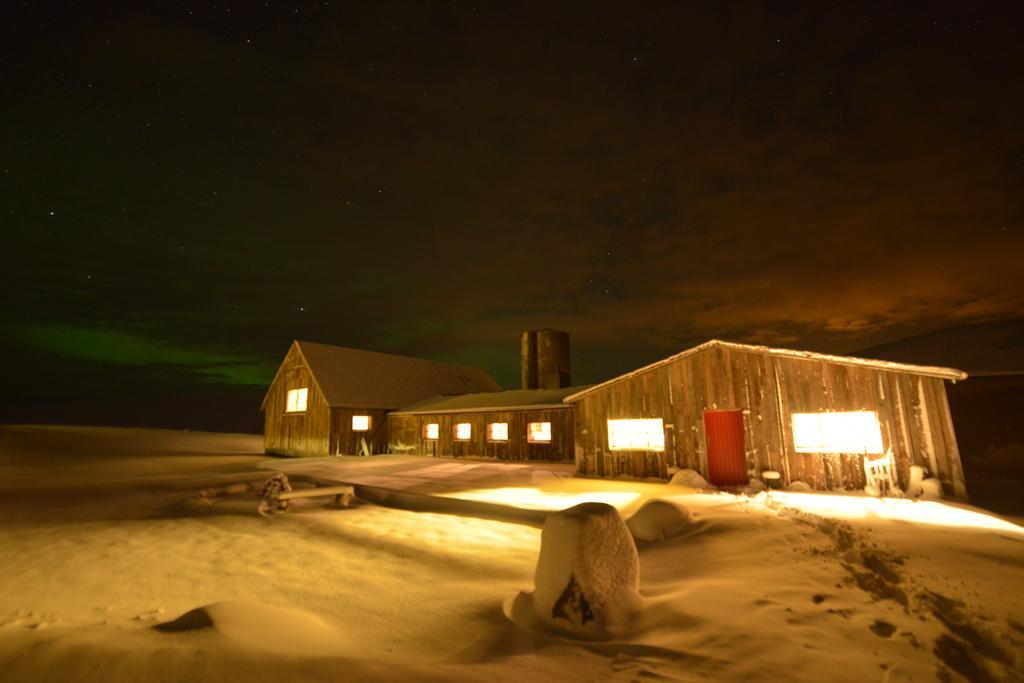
x: 315, y: 492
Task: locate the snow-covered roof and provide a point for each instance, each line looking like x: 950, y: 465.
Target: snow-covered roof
x: 368, y: 379
x: 927, y: 370
x: 491, y: 401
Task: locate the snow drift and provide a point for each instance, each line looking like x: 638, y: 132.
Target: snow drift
x: 659, y: 520
x: 265, y: 628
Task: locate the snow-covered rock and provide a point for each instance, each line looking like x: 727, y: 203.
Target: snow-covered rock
x: 931, y: 488
x: 798, y: 486
x: 587, y: 578
x: 755, y: 487
x: 659, y: 520
x: 690, y: 479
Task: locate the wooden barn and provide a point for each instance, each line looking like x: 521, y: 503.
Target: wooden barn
x: 531, y: 423
x: 329, y: 400
x: 524, y: 424
x: 732, y: 411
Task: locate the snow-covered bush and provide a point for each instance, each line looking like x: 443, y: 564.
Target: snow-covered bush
x: 914, y: 488
x: 659, y: 520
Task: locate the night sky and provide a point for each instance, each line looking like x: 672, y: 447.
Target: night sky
x: 185, y: 189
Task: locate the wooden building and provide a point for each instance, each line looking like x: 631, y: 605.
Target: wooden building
x: 329, y: 400
x: 508, y: 425
x: 732, y: 411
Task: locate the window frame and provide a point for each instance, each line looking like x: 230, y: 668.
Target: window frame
x: 490, y: 434
x: 658, y: 445
x: 529, y: 432
x: 302, y: 392
x: 872, y: 444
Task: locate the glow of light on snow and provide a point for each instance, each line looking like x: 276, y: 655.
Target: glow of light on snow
x: 850, y: 432
x: 895, y: 509
x: 636, y: 435
x: 536, y: 499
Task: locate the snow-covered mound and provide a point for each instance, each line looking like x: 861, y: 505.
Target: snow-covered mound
x: 281, y: 630
x: 690, y: 479
x: 587, y: 579
x: 659, y: 520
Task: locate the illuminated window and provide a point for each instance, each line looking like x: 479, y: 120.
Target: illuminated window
x: 296, y: 401
x: 853, y: 432
x: 636, y: 435
x: 539, y: 432
x: 497, y: 431
x: 463, y: 431
x: 430, y: 431
x: 360, y: 423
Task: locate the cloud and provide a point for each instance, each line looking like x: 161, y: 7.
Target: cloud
x: 435, y: 187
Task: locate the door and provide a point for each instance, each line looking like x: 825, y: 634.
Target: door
x: 727, y: 457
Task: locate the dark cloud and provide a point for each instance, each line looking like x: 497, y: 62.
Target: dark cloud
x: 432, y: 180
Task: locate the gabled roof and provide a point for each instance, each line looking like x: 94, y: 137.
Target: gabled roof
x: 927, y: 370
x: 516, y: 399
x: 368, y: 379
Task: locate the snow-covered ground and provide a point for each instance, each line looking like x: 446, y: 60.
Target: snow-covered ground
x: 105, y: 536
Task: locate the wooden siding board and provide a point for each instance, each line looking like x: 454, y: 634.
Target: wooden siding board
x: 953, y: 454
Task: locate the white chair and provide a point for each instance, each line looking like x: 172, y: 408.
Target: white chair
x: 881, y: 475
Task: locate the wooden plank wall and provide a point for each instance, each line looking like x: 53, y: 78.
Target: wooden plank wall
x: 297, y: 434
x: 406, y: 435
x: 912, y: 410
x: 346, y: 442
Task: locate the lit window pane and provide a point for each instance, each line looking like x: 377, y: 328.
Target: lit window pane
x: 539, y: 432
x: 360, y: 423
x: 850, y: 432
x: 497, y: 431
x: 463, y: 431
x: 296, y: 402
x: 431, y: 431
x: 636, y: 435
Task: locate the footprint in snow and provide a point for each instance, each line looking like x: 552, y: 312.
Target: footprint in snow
x: 882, y: 629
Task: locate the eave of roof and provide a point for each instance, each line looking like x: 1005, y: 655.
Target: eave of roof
x: 926, y: 370
x: 486, y: 409
x: 489, y: 402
